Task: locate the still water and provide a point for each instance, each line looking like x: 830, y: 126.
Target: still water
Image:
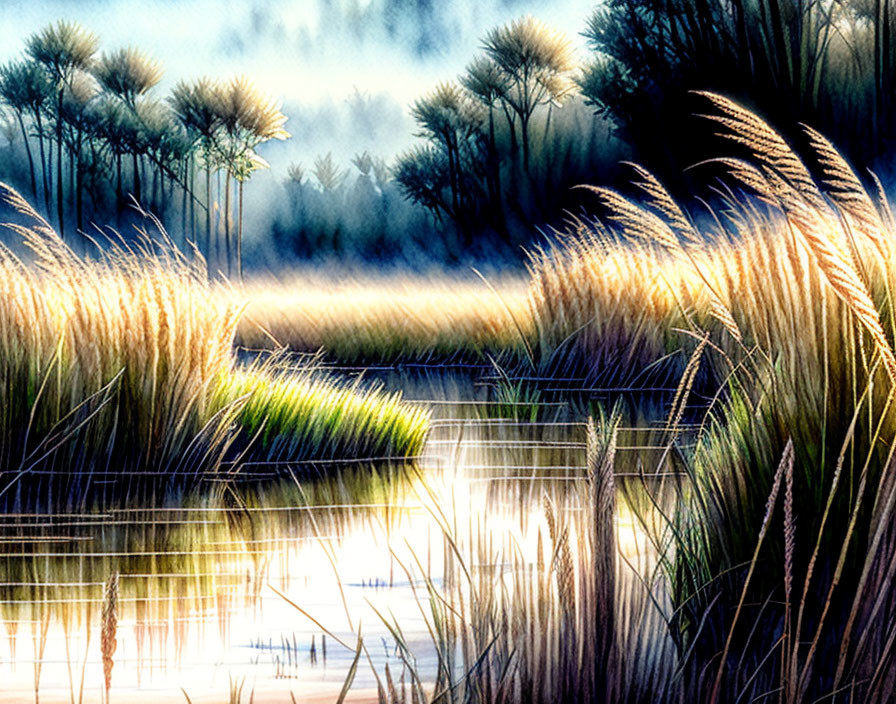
x: 258, y: 586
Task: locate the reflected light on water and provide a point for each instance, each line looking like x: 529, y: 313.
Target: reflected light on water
x: 197, y: 607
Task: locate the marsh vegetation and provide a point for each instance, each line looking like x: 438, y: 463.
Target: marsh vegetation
x: 656, y: 464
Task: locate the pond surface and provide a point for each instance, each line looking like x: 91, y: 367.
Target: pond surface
x: 262, y: 581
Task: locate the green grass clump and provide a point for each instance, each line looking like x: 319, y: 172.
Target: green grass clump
x: 294, y: 416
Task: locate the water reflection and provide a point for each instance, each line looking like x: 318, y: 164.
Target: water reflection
x: 355, y: 546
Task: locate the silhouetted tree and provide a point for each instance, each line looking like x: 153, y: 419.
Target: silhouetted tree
x: 328, y: 175
x: 296, y: 174
x: 62, y: 49
x: 487, y: 83
x: 450, y: 119
x: 79, y: 120
x: 423, y: 174
x: 196, y: 106
x: 537, y: 62
x: 128, y: 74
x: 25, y: 88
x: 247, y: 118
x: 830, y: 64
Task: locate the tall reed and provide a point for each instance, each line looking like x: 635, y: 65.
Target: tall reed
x: 773, y: 568
x: 772, y: 587
x: 125, y: 364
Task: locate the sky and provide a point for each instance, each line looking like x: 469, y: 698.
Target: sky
x: 346, y: 71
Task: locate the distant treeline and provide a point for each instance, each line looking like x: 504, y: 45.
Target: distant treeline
x: 499, y: 147
x: 87, y: 138
x: 96, y: 140
x: 356, y: 212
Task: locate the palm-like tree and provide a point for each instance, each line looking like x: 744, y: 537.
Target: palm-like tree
x: 158, y: 131
x: 196, y: 106
x: 116, y: 125
x: 363, y: 162
x: 296, y: 173
x: 422, y: 174
x: 62, y: 49
x: 247, y: 118
x: 488, y: 84
x: 381, y: 172
x: 439, y: 115
x: 25, y: 89
x: 454, y: 122
x: 127, y: 74
x: 537, y: 62
x: 77, y: 116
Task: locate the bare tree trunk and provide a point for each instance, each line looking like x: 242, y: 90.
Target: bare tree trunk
x: 524, y: 135
x: 30, y: 156
x: 227, y: 244
x: 239, y: 235
x: 44, y: 167
x: 154, y: 195
x: 79, y: 194
x: 494, y: 169
x: 72, y: 165
x: 136, y: 193
x: 218, y: 215
x: 183, y: 210
x: 208, y: 219
x: 59, y: 183
x: 192, y: 175
x: 119, y: 194
x: 163, y: 201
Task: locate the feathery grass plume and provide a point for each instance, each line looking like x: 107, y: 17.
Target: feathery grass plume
x: 662, y: 202
x: 108, y: 642
x: 721, y: 312
x: 562, y: 564
x: 787, y: 181
x: 685, y: 386
x: 846, y: 191
x: 883, y: 205
x: 785, y: 467
x: 844, y: 279
x: 765, y: 145
x: 637, y: 222
x: 789, y: 547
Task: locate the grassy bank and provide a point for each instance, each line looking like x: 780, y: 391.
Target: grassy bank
x: 388, y: 318
x: 126, y: 366
x: 768, y: 571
